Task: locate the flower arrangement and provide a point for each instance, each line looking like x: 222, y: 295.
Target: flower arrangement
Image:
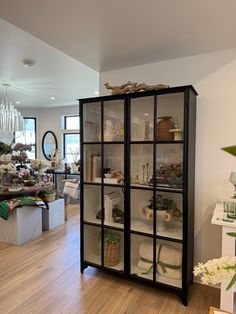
x: 37, y: 164
x: 218, y: 269
x: 24, y: 174
x: 8, y: 168
x: 20, y: 154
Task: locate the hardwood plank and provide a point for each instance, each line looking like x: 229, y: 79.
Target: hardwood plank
x: 43, y: 276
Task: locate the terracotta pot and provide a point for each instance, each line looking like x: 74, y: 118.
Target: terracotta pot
x: 164, y: 125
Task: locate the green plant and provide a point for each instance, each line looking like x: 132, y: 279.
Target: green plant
x: 110, y: 237
x: 163, y: 203
x: 230, y: 149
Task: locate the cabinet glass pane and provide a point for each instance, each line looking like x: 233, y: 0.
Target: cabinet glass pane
x: 92, y: 122
x: 169, y: 165
x: 113, y: 163
x: 141, y: 164
x: 142, y: 110
x: 169, y: 263
x: 114, y: 249
x: 141, y: 256
x: 114, y: 120
x: 113, y: 207
x: 169, y: 215
x: 92, y: 205
x: 141, y: 215
x: 92, y: 244
x: 92, y: 162
x: 170, y: 116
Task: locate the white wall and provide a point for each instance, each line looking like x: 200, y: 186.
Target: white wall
x: 49, y: 119
x: 214, y: 77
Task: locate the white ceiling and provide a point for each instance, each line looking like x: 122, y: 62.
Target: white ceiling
x: 108, y: 35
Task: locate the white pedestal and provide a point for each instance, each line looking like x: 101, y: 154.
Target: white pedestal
x: 228, y: 249
x: 24, y: 224
x: 54, y: 215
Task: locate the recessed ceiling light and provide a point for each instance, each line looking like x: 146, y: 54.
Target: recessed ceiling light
x: 96, y: 93
x: 146, y: 114
x: 52, y: 97
x: 28, y: 63
x: 17, y: 102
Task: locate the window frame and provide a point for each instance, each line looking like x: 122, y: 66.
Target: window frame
x: 69, y: 131
x: 35, y: 126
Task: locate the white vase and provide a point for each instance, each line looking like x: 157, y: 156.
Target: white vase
x: 161, y: 220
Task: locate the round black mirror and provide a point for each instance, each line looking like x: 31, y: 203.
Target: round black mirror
x: 49, y: 144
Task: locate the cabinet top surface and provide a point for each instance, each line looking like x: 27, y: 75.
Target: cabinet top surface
x: 142, y: 93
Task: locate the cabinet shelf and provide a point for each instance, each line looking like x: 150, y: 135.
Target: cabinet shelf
x: 142, y: 219
x: 156, y: 142
x: 172, y: 233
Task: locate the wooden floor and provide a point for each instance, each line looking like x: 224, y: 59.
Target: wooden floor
x: 43, y: 276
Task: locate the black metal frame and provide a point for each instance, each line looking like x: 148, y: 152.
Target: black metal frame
x: 187, y: 191
x: 56, y: 143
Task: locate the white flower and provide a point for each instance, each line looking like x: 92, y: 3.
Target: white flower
x: 37, y: 164
x: 214, y: 271
x: 9, y: 168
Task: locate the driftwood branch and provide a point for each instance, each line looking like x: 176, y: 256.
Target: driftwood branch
x: 132, y: 87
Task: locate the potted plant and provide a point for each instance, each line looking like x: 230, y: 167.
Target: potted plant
x: 166, y: 209
x: 111, y: 241
x: 48, y: 196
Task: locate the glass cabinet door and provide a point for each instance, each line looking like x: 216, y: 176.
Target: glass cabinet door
x: 92, y: 205
x: 113, y: 121
x: 169, y: 166
x: 92, y: 244
x: 141, y: 168
x: 92, y: 162
x: 170, y: 117
x: 92, y: 122
x: 142, y: 115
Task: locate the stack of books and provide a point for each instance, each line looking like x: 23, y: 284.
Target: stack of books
x: 112, y: 200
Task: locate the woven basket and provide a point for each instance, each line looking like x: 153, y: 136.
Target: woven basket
x: 112, y: 254
x: 49, y: 198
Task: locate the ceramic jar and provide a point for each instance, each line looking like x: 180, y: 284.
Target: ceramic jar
x: 164, y: 125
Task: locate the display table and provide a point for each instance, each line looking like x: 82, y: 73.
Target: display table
x: 54, y: 215
x: 24, y: 224
x: 228, y: 249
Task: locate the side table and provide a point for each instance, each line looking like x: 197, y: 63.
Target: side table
x: 228, y: 249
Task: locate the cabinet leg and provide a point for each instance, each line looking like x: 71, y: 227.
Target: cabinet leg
x: 82, y: 267
x: 184, y: 298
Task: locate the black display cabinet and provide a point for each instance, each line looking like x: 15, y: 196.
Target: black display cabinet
x: 137, y: 186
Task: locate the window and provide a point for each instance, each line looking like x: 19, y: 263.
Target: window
x: 71, y: 138
x: 28, y: 136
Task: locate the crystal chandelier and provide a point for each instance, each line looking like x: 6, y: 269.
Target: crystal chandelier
x: 11, y: 119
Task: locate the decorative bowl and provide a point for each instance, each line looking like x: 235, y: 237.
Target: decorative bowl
x: 29, y: 182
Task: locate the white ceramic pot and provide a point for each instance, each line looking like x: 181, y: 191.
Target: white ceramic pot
x: 161, y: 220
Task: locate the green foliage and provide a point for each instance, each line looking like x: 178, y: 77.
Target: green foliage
x: 162, y: 203
x: 110, y: 237
x: 5, y: 148
x: 230, y: 149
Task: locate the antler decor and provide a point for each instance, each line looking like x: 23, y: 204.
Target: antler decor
x: 132, y: 87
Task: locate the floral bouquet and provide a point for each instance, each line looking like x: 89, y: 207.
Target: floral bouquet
x: 8, y: 168
x: 19, y: 152
x: 37, y: 164
x: 218, y: 269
